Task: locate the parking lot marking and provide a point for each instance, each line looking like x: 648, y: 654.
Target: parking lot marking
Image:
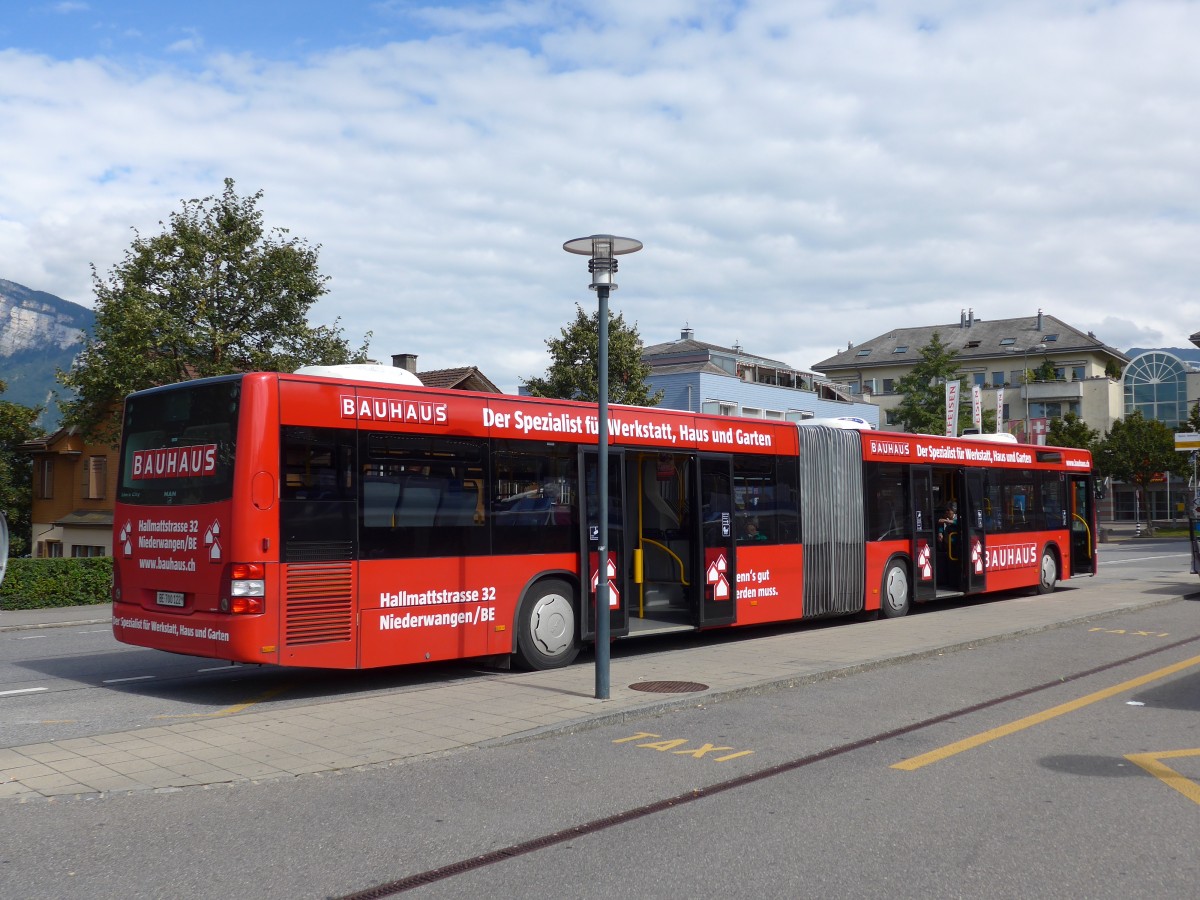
x: 1151, y: 763
x: 985, y: 737
x: 21, y: 691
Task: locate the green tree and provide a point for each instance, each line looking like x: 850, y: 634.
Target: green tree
x: 1135, y: 450
x: 574, y: 373
x: 923, y: 409
x: 1193, y: 419
x: 16, y: 471
x: 1072, y: 431
x: 215, y: 293
x: 1045, y: 372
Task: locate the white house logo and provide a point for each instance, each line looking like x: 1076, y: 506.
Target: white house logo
x: 717, y: 577
x: 1014, y: 556
x: 125, y: 536
x: 924, y: 561
x: 212, y: 541
x: 614, y: 595
x: 976, y: 556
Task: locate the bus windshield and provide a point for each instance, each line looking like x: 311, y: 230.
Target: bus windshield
x: 178, y: 444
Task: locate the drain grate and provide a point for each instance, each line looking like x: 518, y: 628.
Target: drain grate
x: 668, y: 687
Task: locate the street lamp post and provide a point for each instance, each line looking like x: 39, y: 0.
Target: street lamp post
x: 1039, y: 348
x: 603, y: 250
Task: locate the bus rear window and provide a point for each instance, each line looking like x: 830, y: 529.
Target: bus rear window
x: 178, y: 444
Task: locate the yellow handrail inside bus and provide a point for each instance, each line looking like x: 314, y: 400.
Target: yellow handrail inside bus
x: 950, y: 539
x: 1088, y: 529
x: 671, y: 553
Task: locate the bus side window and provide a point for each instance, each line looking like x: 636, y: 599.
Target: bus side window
x: 458, y: 504
x: 419, y: 501
x: 381, y: 494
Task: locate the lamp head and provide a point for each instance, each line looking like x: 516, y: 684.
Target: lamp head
x: 603, y: 250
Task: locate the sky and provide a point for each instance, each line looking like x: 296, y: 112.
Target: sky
x: 803, y: 174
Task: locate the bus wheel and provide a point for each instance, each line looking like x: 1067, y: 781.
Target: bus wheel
x: 895, y: 600
x: 1047, y: 572
x: 546, y: 633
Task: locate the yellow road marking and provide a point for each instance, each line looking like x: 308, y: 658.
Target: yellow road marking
x: 231, y: 710
x: 1150, y: 762
x: 925, y: 759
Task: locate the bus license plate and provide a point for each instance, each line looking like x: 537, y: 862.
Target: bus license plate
x: 170, y: 598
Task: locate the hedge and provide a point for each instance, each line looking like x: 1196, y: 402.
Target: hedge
x: 42, y: 583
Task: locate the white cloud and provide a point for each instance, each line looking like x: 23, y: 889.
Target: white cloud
x: 802, y: 174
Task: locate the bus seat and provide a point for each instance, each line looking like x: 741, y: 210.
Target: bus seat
x: 419, y: 501
x: 381, y: 495
x: 458, y: 505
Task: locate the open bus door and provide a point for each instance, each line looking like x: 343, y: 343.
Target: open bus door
x: 924, y: 523
x: 1083, y: 526
x: 618, y: 566
x: 717, y: 575
x: 974, y: 574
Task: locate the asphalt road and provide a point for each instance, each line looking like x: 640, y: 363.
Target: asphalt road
x: 1069, y: 780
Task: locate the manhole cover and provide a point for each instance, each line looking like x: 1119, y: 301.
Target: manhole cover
x: 668, y: 687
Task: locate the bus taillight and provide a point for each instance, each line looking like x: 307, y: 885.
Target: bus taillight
x: 247, y: 587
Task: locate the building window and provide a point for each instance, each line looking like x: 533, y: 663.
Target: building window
x: 95, y: 477
x: 1156, y: 386
x: 868, y: 386
x: 1007, y: 342
x: 45, y: 487
x: 750, y: 412
x: 54, y: 549
x: 799, y: 415
x: 864, y: 352
x: 1049, y: 338
x: 719, y: 408
x: 998, y: 379
x: 889, y: 385
x: 1077, y: 373
x: 773, y: 414
x: 901, y: 349
x: 891, y: 416
x: 978, y: 378
x: 80, y: 551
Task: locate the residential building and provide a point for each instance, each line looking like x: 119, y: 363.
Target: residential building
x: 710, y: 378
x: 74, y: 485
x: 995, y: 355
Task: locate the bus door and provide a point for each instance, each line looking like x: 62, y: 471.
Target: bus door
x: 1083, y: 526
x: 924, y: 525
x: 975, y: 534
x: 662, y: 531
x: 618, y: 567
x: 715, y: 575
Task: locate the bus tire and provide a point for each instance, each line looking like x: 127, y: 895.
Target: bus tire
x: 547, y: 635
x: 896, y: 596
x: 1047, y: 572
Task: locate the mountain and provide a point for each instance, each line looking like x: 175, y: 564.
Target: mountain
x: 39, y: 334
x: 1187, y: 354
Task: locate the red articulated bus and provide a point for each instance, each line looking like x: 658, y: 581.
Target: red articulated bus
x: 307, y: 520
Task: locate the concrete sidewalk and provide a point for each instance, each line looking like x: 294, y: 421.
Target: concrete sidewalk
x: 344, y: 733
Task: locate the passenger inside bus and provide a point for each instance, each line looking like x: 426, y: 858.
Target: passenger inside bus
x: 750, y: 533
x: 949, y: 520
